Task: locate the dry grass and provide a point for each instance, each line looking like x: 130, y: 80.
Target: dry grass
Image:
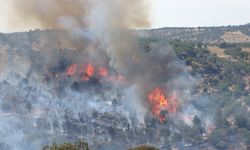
x: 235, y: 37
x: 246, y: 49
x: 218, y: 51
x: 144, y: 147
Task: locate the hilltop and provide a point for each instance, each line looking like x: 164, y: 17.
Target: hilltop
x: 232, y: 34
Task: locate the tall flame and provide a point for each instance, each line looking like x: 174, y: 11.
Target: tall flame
x: 160, y: 103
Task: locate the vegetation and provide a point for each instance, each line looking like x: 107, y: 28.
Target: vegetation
x: 67, y: 146
x: 224, y: 81
x: 84, y: 146
x: 144, y: 147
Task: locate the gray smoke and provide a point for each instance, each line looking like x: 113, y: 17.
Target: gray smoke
x: 40, y: 111
x: 64, y: 14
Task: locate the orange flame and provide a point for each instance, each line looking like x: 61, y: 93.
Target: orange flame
x: 160, y: 103
x: 71, y: 70
x: 89, y: 72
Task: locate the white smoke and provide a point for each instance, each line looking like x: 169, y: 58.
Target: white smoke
x: 37, y: 109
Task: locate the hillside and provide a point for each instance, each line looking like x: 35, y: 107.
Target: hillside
x: 46, y: 106
x: 232, y: 34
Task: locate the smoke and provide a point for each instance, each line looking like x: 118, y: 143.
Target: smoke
x: 48, y: 13
x: 64, y: 14
x: 109, y: 21
x: 102, y: 27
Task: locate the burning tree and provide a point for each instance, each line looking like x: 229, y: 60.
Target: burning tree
x: 161, y: 104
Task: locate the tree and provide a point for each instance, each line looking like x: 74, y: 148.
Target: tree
x: 198, y: 129
x: 241, y: 121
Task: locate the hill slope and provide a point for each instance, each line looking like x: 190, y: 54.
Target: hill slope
x: 216, y: 116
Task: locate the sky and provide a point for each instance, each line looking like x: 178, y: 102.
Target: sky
x: 189, y: 13
x: 181, y: 13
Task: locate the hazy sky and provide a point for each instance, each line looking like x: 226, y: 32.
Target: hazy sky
x: 200, y: 12
x: 184, y: 13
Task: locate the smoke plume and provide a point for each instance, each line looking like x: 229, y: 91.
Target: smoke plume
x: 64, y: 14
x: 102, y: 27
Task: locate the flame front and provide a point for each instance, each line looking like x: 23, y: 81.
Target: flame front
x: 89, y: 71
x: 160, y: 104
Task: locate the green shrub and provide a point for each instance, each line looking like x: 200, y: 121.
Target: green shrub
x: 144, y: 147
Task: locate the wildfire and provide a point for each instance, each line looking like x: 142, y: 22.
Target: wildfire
x: 89, y: 72
x: 71, y: 70
x: 160, y: 104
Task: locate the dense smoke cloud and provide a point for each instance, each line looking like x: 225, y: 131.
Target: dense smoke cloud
x: 102, y: 27
x: 64, y: 14
x: 49, y: 13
